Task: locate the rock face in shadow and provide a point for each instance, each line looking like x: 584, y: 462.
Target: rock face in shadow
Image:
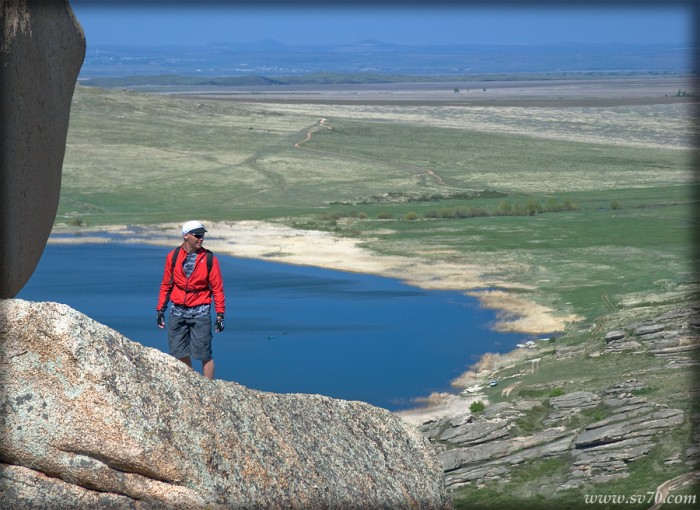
x: 41, y: 51
x: 92, y: 418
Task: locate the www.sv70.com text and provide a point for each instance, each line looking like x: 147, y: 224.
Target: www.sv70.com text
x: 651, y: 497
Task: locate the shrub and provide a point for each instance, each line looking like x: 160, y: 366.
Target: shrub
x: 505, y: 208
x: 410, y: 216
x: 477, y: 407
x: 552, y: 205
x: 330, y: 216
x: 475, y: 212
x: 532, y: 207
x: 446, y: 212
x: 385, y: 216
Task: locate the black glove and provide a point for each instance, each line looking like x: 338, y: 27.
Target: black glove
x: 219, y: 324
x: 161, y: 319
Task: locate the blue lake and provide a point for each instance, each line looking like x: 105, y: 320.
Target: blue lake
x: 289, y: 329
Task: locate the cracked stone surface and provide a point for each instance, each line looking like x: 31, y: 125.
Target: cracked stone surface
x: 86, y: 413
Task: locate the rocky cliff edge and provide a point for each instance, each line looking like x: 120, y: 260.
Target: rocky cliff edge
x: 92, y: 419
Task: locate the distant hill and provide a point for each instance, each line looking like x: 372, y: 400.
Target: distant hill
x: 271, y: 59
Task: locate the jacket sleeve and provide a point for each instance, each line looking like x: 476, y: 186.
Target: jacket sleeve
x: 216, y: 283
x: 166, y: 285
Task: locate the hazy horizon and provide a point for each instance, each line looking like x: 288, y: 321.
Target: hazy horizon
x: 152, y: 23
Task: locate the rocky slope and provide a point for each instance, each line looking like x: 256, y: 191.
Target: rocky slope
x: 599, y: 432
x: 90, y: 419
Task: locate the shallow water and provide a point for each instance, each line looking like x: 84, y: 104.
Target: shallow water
x: 289, y: 329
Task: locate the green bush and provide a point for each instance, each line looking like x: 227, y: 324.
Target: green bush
x: 457, y: 212
x: 532, y: 207
x: 410, y: 216
x: 477, y: 407
x: 505, y: 208
x: 475, y: 212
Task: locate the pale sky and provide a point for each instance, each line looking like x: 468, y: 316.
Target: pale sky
x: 193, y: 23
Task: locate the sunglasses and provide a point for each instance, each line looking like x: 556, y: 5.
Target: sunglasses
x: 198, y: 236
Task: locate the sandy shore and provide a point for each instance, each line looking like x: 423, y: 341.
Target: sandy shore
x: 280, y: 243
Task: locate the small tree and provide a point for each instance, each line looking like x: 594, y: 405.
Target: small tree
x: 477, y: 407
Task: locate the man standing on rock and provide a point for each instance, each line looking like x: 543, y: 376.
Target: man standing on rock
x: 191, y: 279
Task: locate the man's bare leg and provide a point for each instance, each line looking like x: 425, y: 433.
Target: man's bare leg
x: 187, y: 361
x: 208, y: 369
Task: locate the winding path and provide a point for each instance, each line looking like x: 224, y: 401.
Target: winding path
x: 674, y: 483
x: 323, y: 123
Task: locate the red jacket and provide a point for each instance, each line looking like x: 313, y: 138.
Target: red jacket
x: 196, y: 290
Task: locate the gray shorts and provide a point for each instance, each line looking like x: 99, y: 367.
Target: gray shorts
x: 190, y: 337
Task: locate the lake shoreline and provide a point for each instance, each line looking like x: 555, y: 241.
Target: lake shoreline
x: 275, y: 242
x: 279, y: 243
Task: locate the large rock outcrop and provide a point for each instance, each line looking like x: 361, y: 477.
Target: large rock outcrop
x: 41, y: 51
x: 599, y: 434
x: 90, y: 419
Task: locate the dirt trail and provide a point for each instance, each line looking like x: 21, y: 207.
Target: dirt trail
x: 507, y: 391
x: 663, y: 490
x: 323, y: 123
x: 608, y: 303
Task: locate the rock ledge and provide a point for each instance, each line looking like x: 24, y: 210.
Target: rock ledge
x: 93, y: 418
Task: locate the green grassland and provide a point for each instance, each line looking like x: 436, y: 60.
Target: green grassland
x: 600, y: 227
x: 585, y: 226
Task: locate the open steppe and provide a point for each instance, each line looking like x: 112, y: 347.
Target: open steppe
x: 551, y: 92
x: 420, y: 190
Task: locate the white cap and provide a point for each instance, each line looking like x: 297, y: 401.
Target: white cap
x: 191, y: 226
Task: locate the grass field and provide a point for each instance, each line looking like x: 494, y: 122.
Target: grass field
x: 427, y: 180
